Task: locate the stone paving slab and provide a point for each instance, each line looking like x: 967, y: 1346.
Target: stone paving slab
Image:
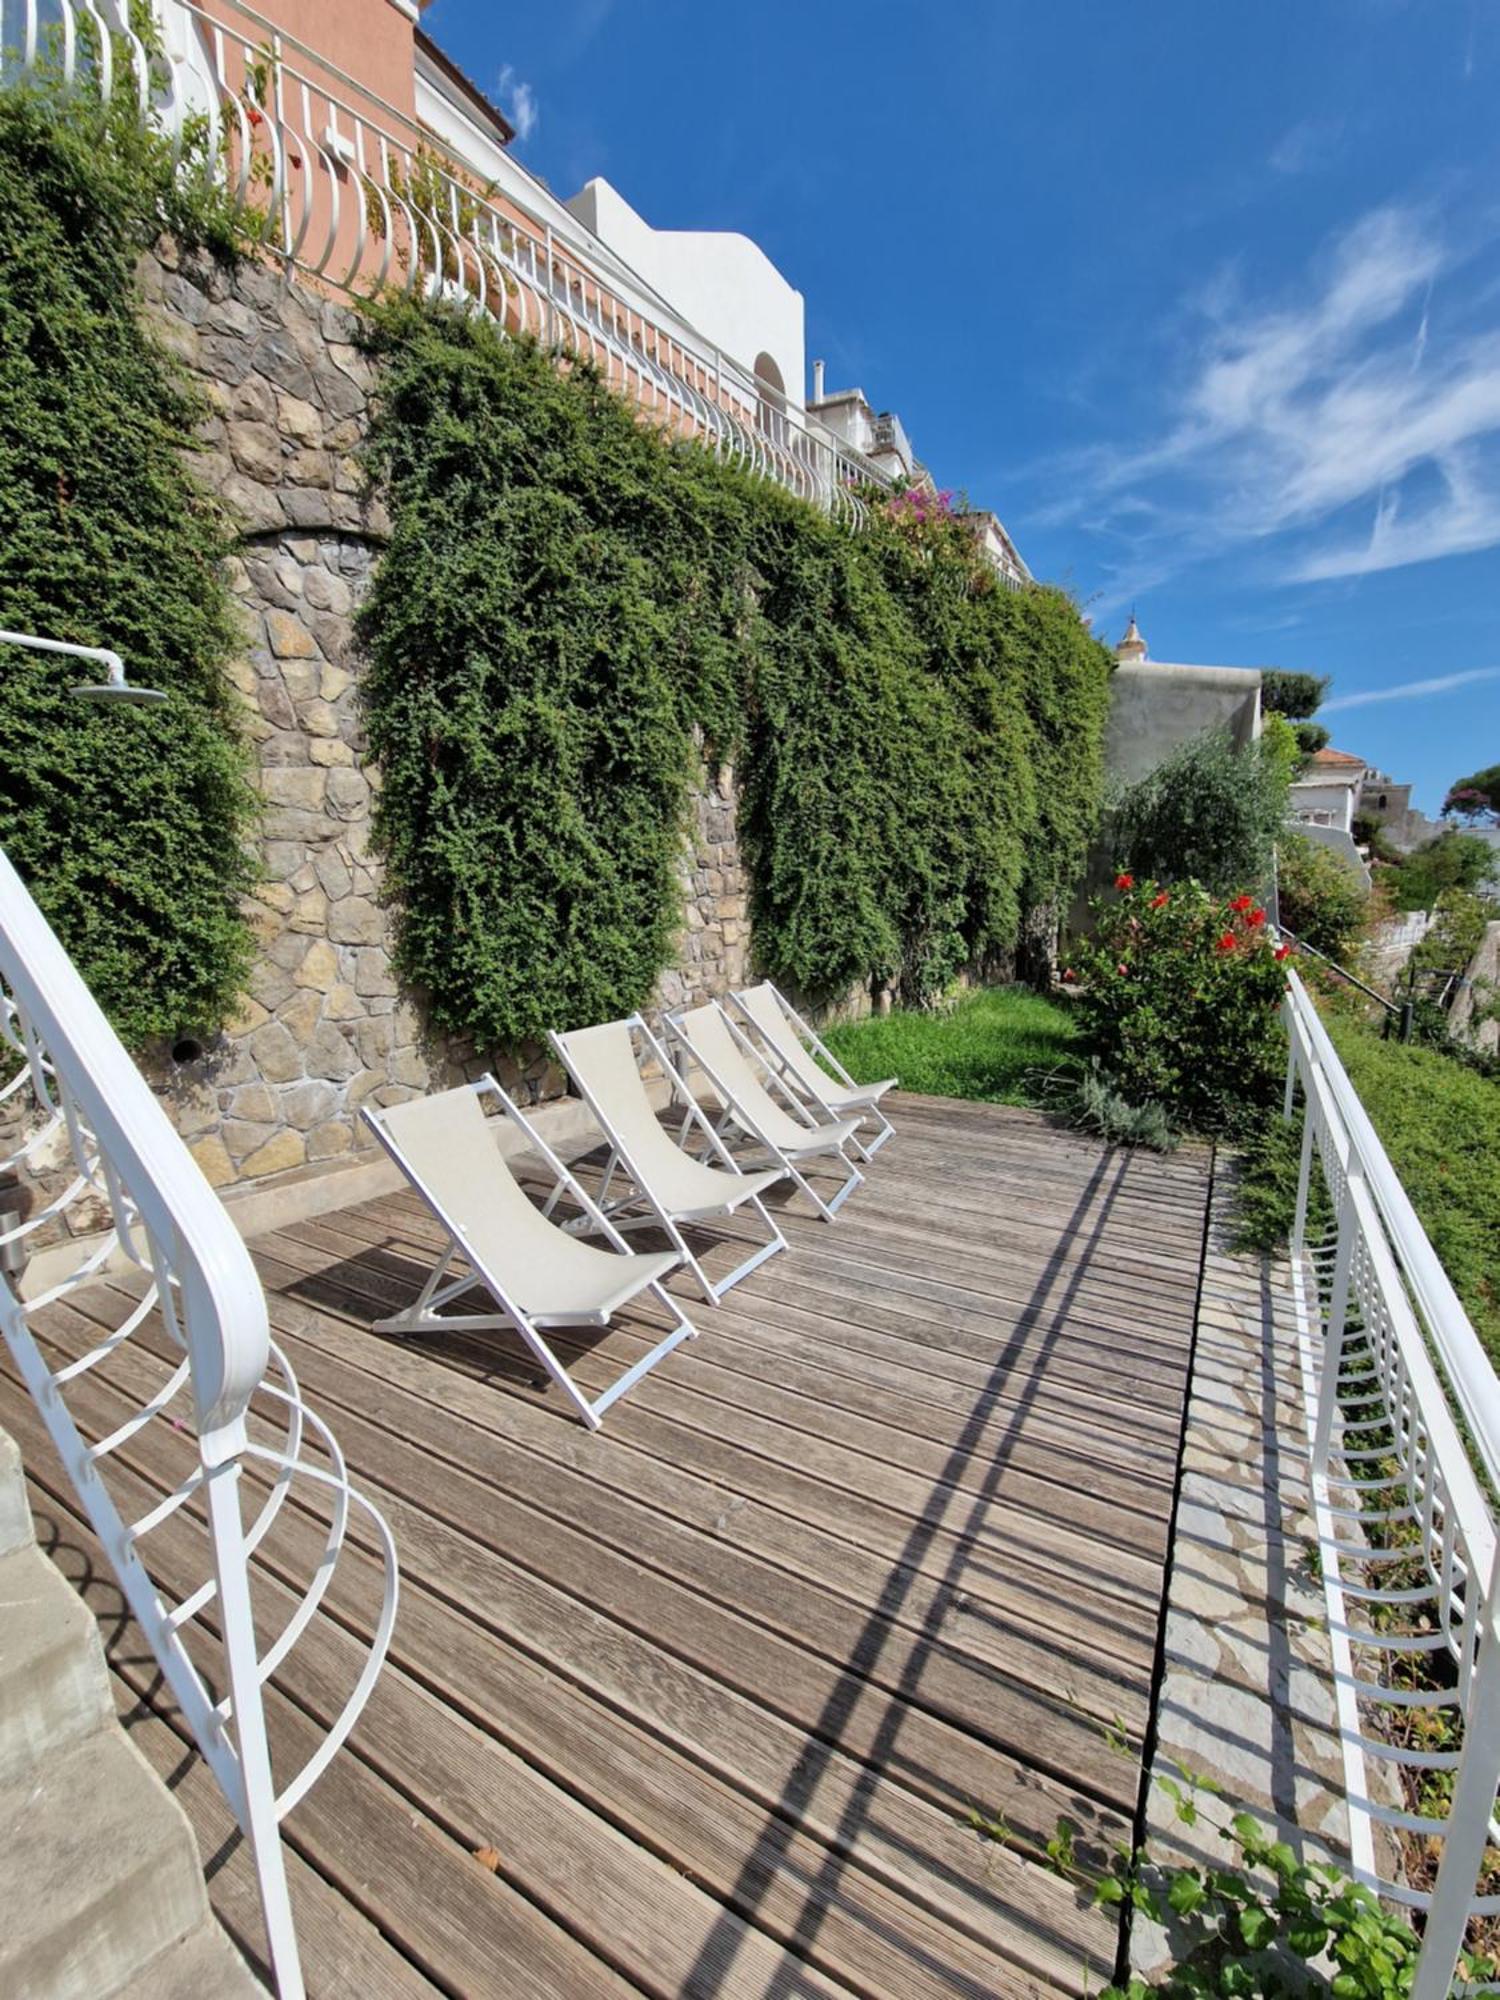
x: 1246, y: 1695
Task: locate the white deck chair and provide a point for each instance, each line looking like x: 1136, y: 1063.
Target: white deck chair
x: 785, y: 1038
x: 669, y: 1186
x: 792, y: 1136
x: 536, y: 1272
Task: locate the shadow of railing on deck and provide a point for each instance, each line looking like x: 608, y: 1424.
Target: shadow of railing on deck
x: 1042, y: 1309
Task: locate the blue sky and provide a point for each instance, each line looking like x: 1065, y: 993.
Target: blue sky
x: 1203, y: 300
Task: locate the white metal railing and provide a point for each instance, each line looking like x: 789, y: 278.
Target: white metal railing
x: 358, y: 197
x: 1406, y: 1536
x: 76, y: 1110
x: 89, y: 1144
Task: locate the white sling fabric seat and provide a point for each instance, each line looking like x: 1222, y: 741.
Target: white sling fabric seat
x: 670, y: 1186
x: 786, y: 1038
x: 538, y: 1274
x: 792, y: 1136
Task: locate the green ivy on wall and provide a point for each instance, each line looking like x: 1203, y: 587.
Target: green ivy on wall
x: 569, y: 595
x: 129, y: 825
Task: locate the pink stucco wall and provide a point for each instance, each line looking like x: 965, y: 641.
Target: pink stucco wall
x: 369, y: 41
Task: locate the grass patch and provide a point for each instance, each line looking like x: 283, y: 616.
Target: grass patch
x: 994, y: 1045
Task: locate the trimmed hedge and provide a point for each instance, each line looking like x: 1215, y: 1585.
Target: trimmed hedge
x: 570, y: 595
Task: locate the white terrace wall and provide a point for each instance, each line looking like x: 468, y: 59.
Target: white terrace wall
x: 326, y: 1025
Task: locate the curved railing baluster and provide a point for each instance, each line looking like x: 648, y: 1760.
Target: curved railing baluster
x: 201, y: 1288
x: 1407, y: 1542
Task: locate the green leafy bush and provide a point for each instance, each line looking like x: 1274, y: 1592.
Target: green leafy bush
x: 525, y: 690
x: 128, y: 825
x: 1209, y: 813
x: 1253, y: 1928
x: 569, y: 595
x: 1451, y: 861
x: 1087, y: 1099
x: 1438, y: 1121
x: 1319, y: 899
x: 1459, y: 921
x: 1179, y: 997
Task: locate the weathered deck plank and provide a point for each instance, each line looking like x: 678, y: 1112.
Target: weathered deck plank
x: 722, y: 1683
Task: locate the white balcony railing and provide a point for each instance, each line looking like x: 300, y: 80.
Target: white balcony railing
x: 1392, y: 1368
x: 358, y: 197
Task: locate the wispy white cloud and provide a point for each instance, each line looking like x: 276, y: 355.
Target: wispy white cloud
x: 580, y: 32
x: 517, y: 101
x: 1311, y: 144
x: 1411, y: 690
x: 1290, y: 415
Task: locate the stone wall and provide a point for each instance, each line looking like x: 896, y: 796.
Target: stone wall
x: 326, y: 1026
x: 1477, y: 995
x: 714, y: 956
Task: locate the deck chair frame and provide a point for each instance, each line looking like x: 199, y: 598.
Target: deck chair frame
x: 426, y: 1314
x: 734, y: 1114
x: 639, y: 1208
x: 809, y: 1035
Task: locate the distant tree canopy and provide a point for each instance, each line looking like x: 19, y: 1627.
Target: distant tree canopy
x: 1475, y: 797
x: 1296, y: 696
x: 1459, y: 861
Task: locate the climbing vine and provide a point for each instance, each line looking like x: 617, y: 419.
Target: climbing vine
x: 570, y: 598
x: 129, y: 824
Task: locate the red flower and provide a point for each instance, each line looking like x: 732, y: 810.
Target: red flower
x: 1070, y: 973
x: 1282, y: 951
x: 1124, y: 881
x: 1242, y: 903
x: 1226, y: 942
x: 1255, y: 919
x: 253, y: 115
x: 1157, y: 902
x: 1123, y: 970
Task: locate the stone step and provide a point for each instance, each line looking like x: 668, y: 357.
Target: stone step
x: 101, y: 1873
x: 16, y: 1530
x: 101, y: 1885
x: 202, y: 1966
x: 54, y: 1687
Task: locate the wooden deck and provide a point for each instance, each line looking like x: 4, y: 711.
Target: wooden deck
x: 721, y: 1686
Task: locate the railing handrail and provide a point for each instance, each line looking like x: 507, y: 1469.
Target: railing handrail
x: 225, y: 1325
x: 1341, y: 971
x: 1461, y: 1358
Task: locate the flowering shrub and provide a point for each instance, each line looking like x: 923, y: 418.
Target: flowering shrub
x: 1179, y: 992
x: 916, y: 507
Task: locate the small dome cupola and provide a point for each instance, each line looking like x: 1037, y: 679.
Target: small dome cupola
x: 1132, y: 647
